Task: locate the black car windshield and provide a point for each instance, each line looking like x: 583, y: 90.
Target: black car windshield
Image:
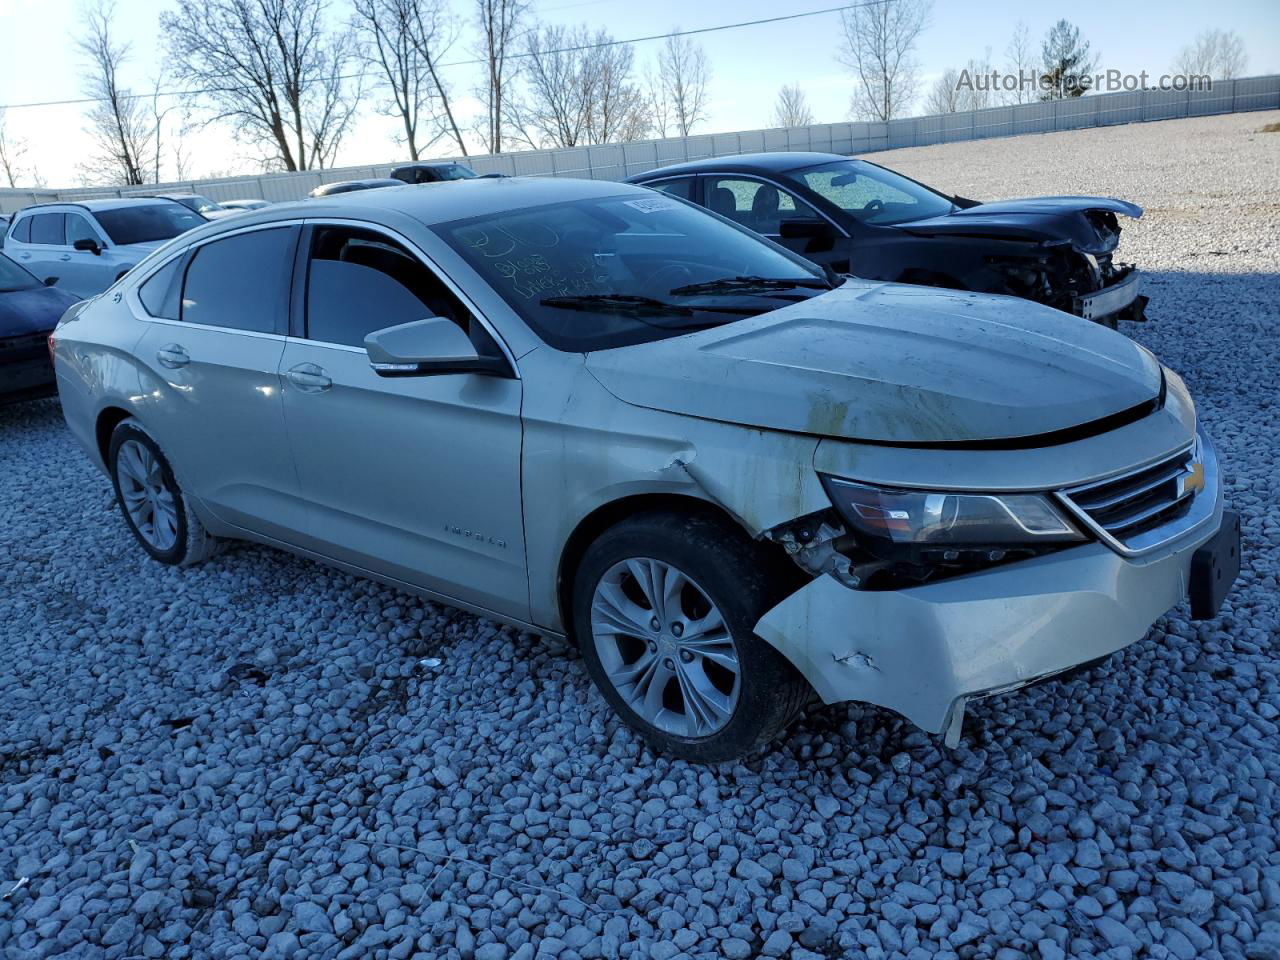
x: 456, y: 172
x: 146, y: 223
x: 13, y: 277
x: 599, y: 273
x: 872, y: 194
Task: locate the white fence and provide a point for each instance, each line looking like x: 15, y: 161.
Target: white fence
x: 617, y: 161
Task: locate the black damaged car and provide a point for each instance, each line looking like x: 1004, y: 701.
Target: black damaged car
x: 860, y: 218
x: 29, y: 310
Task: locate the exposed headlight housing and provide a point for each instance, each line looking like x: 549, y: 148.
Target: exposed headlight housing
x: 927, y: 526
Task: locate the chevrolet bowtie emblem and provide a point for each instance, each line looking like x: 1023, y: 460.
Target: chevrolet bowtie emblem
x: 1192, y: 481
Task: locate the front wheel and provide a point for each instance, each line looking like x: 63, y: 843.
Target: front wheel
x: 663, y: 609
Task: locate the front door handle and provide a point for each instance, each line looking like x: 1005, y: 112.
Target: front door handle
x: 309, y: 378
x: 172, y: 355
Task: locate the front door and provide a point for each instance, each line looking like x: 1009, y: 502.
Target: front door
x: 416, y: 478
x: 214, y: 336
x: 83, y: 272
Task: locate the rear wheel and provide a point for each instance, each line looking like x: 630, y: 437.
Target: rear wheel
x: 664, y: 607
x: 153, y: 504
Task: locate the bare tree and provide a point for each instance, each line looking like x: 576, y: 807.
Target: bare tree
x: 946, y: 95
x: 685, y: 75
x: 1219, y: 54
x: 1020, y: 60
x: 403, y: 43
x: 13, y: 153
x: 659, y: 107
x: 272, y: 69
x: 117, y: 121
x: 621, y: 111
x: 1065, y: 59
x: 878, y: 45
x: 498, y: 22
x: 577, y: 89
x: 792, y: 108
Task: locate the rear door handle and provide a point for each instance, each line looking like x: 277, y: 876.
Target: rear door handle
x: 65, y: 256
x: 172, y: 355
x: 309, y: 378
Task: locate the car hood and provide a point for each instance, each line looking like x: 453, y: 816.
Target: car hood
x: 892, y: 363
x: 36, y: 310
x: 1087, y: 223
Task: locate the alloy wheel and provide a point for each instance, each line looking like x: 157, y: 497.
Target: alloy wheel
x: 665, y: 648
x: 147, y: 499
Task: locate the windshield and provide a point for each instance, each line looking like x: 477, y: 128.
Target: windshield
x: 200, y: 204
x: 593, y: 274
x: 872, y: 194
x: 146, y: 223
x: 13, y: 277
x: 456, y: 172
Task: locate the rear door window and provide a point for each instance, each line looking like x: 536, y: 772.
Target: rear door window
x: 48, y: 228
x: 682, y: 188
x: 242, y: 281
x: 22, y: 230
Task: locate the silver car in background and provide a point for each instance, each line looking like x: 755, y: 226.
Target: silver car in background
x: 588, y: 410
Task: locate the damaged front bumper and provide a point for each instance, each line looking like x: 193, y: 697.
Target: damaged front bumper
x: 924, y: 651
x: 1122, y: 298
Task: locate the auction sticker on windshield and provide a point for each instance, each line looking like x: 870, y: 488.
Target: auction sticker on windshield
x: 652, y: 204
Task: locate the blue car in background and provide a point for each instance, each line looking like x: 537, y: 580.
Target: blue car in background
x: 29, y: 310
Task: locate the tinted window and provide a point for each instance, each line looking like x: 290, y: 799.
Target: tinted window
x: 160, y: 294
x: 360, y: 281
x: 47, y: 228
x: 599, y: 273
x: 148, y: 222
x: 682, y: 188
x: 242, y: 281
x: 873, y: 194
x: 78, y: 228
x: 22, y: 230
x: 756, y: 205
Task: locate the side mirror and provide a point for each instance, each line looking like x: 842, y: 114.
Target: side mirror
x: 804, y: 228
x: 426, y: 348
x: 50, y: 281
x: 89, y: 244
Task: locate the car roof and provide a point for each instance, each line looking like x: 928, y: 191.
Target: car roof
x: 175, y: 196
x: 95, y: 204
x: 450, y: 200
x: 779, y: 162
x: 416, y: 164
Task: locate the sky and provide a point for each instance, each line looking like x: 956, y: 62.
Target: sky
x: 39, y: 62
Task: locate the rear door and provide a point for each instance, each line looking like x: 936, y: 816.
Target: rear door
x: 45, y: 243
x: 215, y: 331
x: 416, y: 478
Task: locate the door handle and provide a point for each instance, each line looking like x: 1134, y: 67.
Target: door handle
x: 25, y: 256
x: 172, y: 355
x: 65, y: 256
x: 309, y: 378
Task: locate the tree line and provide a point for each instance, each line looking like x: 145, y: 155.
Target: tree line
x: 289, y: 77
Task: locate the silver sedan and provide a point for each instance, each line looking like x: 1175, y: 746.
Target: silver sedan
x: 592, y: 410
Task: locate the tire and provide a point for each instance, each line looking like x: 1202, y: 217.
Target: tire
x: 726, y: 715
x: 142, y: 477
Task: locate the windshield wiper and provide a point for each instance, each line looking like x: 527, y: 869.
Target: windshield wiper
x: 736, y: 284
x: 617, y: 302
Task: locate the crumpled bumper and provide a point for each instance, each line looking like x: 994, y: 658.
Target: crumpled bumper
x: 923, y: 651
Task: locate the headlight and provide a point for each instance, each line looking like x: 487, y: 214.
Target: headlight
x: 921, y: 520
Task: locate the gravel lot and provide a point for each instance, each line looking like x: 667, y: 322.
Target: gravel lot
x: 263, y: 757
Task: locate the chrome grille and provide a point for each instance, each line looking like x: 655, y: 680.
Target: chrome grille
x: 1141, y: 509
